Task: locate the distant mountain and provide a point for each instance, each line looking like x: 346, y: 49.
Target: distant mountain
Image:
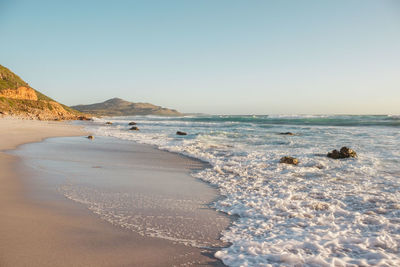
x: 17, y: 98
x: 120, y: 107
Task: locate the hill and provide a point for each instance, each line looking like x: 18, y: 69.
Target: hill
x: 17, y: 98
x: 120, y: 107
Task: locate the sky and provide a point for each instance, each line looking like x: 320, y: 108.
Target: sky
x: 208, y: 56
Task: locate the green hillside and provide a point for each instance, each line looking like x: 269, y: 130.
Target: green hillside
x: 17, y: 98
x: 10, y: 80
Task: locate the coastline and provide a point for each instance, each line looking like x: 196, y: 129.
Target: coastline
x: 63, y: 232
x: 283, y: 210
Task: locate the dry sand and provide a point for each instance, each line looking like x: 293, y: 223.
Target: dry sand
x: 63, y: 233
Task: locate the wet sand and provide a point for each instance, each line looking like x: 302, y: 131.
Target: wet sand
x: 40, y: 227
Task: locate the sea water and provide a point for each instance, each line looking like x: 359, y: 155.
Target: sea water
x: 322, y: 212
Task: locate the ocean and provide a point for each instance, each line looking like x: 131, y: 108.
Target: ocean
x: 322, y: 212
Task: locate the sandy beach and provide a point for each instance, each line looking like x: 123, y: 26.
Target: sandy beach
x: 38, y: 232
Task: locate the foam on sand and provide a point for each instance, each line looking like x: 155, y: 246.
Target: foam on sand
x: 322, y: 212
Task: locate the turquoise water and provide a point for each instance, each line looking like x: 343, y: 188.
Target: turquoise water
x: 323, y: 212
x: 339, y: 120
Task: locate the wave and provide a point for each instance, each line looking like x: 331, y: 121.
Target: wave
x: 320, y: 213
x: 307, y: 120
x: 317, y: 120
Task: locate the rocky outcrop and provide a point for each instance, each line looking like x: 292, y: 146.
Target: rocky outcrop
x: 286, y: 133
x: 344, y: 152
x: 289, y: 160
x: 18, y: 99
x: 84, y: 118
x: 22, y: 92
x: 36, y: 110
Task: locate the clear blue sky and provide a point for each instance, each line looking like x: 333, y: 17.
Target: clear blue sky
x: 221, y: 57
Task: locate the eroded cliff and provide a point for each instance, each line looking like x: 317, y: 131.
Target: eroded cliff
x: 17, y: 98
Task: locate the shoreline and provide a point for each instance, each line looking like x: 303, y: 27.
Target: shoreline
x: 65, y: 233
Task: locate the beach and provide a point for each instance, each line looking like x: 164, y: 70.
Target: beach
x: 40, y: 226
x: 151, y: 197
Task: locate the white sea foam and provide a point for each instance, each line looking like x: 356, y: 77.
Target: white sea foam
x: 322, y: 212
x: 153, y: 215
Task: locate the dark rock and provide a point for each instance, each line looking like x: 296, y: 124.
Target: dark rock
x: 134, y: 128
x: 108, y: 122
x: 348, y: 152
x: 132, y: 123
x: 334, y: 154
x: 289, y: 160
x: 91, y: 137
x: 344, y: 152
x: 286, y: 133
x: 83, y: 118
x: 181, y: 133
